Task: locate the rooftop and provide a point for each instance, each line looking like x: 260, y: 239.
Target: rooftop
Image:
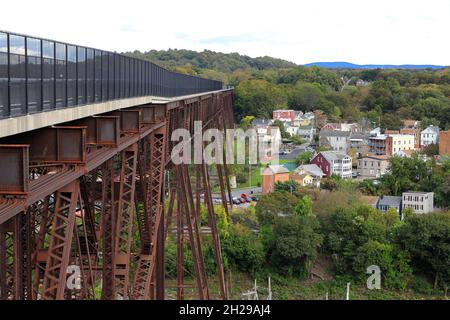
x: 334, y: 133
x: 312, y: 169
x: 391, y: 201
x: 333, y: 155
x: 417, y: 192
x: 275, y: 168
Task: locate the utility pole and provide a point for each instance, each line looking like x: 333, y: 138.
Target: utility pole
x: 269, y: 296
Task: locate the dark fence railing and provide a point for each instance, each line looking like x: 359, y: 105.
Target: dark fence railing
x: 38, y: 75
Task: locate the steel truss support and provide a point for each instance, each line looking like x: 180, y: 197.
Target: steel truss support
x: 186, y: 207
x: 151, y: 215
x: 54, y: 283
x: 107, y: 230
x: 214, y: 231
x: 124, y: 221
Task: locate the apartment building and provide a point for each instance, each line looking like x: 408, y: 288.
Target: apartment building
x: 372, y: 166
x: 415, y: 132
x: 420, y: 202
x: 391, y: 144
x: 334, y: 162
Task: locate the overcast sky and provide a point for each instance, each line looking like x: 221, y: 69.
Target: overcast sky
x: 358, y: 31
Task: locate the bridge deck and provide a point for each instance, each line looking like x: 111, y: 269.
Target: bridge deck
x: 16, y: 125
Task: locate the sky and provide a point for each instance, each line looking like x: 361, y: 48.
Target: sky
x: 357, y: 31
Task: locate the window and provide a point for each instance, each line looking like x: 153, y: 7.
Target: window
x: 48, y: 75
x: 105, y: 75
x: 71, y: 75
x: 17, y: 75
x: 90, y: 75
x: 81, y: 75
x: 98, y: 75
x: 60, y: 75
x: 4, y: 105
x: 34, y: 75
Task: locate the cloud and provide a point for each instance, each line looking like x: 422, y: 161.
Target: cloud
x: 302, y: 31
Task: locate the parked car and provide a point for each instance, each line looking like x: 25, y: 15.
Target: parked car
x: 236, y: 201
x: 254, y: 198
x: 244, y: 200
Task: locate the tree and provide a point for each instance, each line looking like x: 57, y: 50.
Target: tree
x: 290, y: 186
x: 283, y: 132
x: 246, y: 122
x: 243, y: 249
x: 390, y: 121
x: 426, y: 238
x: 273, y: 205
x: 395, y: 266
x: 304, y: 158
x: 303, y: 206
x: 257, y: 98
x: 296, y: 240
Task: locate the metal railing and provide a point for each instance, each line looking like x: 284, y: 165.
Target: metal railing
x: 38, y: 75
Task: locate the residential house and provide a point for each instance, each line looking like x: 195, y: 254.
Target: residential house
x: 305, y: 180
x: 306, y: 133
x: 302, y: 120
x: 312, y: 170
x: 271, y: 136
x: 335, y: 139
x: 271, y: 175
x: 262, y: 122
x: 334, y: 162
x: 444, y: 143
x: 385, y: 203
x: 420, y: 202
x: 429, y: 136
x: 353, y: 127
x: 292, y: 130
x: 284, y: 115
x: 372, y: 166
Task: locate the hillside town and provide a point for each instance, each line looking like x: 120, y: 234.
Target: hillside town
x: 313, y: 150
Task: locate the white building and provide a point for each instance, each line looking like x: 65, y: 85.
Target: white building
x: 420, y: 202
x: 429, y: 136
x: 306, y: 133
x: 337, y: 140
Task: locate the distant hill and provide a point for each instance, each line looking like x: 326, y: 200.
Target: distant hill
x: 222, y: 62
x: 348, y: 65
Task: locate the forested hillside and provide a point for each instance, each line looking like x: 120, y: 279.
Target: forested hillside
x: 264, y: 84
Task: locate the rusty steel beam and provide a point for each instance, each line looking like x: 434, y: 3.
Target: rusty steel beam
x: 124, y: 221
x: 153, y: 217
x: 101, y: 130
x: 14, y: 169
x: 186, y: 203
x: 107, y: 230
x: 54, y: 283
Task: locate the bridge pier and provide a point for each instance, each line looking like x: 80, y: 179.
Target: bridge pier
x: 89, y: 185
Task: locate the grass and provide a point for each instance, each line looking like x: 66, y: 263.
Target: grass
x: 291, y: 288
